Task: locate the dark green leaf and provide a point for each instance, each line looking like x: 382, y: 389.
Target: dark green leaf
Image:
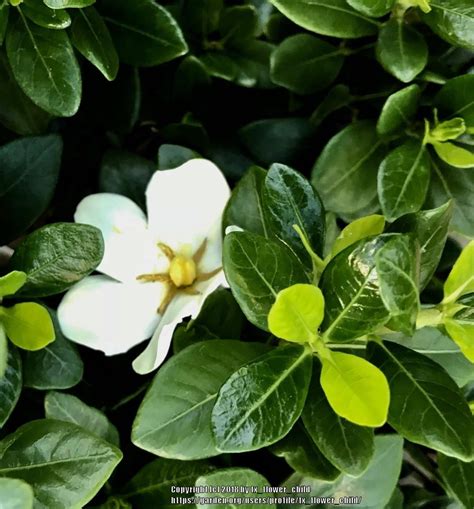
x: 401, y: 50
x: 172, y: 156
x: 145, y: 34
x: 259, y: 403
x: 43, y: 451
x: 426, y: 405
x: 403, y: 180
x: 174, y: 418
x: 68, y: 4
x: 398, y: 110
x: 45, y: 67
x: 459, y: 476
x: 345, y: 173
x: 305, y: 64
x: 327, y: 17
x: 375, y: 8
x: 90, y: 36
x: 10, y: 385
x: 45, y: 17
x: 456, y: 98
x: 4, y: 15
x: 257, y: 269
x: 57, y: 256
x: 338, y: 97
x: 15, y: 494
x: 238, y: 24
x: 347, y: 446
x: 29, y: 169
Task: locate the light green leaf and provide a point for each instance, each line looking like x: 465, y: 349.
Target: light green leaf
x: 297, y: 313
x: 10, y: 385
x: 3, y: 351
x: 327, y: 17
x: 257, y: 269
x: 43, y: 451
x: 448, y: 130
x: 399, y: 110
x: 144, y: 32
x: 355, y: 389
x: 28, y: 325
x: 403, y: 180
x: 456, y: 98
x: 462, y: 333
x: 45, y: 17
x: 91, y: 37
x: 259, y: 403
x: 375, y: 8
x: 305, y: 64
x: 68, y: 408
x: 426, y: 405
x: 459, y: 477
x: 57, y: 256
x: 461, y: 278
x: 401, y: 50
x: 240, y: 478
x: 345, y: 173
x: 15, y: 494
x: 11, y: 283
x: 358, y: 230
x: 454, y: 155
x: 68, y: 4
x: 174, y: 418
x: 44, y: 64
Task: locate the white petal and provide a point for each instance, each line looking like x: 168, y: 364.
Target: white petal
x: 182, y: 305
x: 129, y: 249
x: 109, y: 316
x: 186, y: 203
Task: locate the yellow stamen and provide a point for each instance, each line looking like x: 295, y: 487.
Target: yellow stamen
x: 207, y: 275
x: 182, y: 271
x: 167, y: 251
x: 154, y: 278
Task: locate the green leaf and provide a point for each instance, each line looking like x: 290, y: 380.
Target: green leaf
x: 398, y: 267
x: 426, y: 405
x: 461, y: 330
x: 303, y: 455
x: 358, y: 230
x: 461, y: 278
x: 245, y: 207
x: 45, y: 17
x: 327, y: 17
x: 459, y: 477
x: 172, y: 156
x: 305, y: 64
x: 15, y: 494
x: 351, y: 289
x: 454, y: 155
x: 398, y: 110
x: 28, y: 325
x: 238, y: 23
x: 452, y: 20
x: 401, y: 50
x: 173, y: 420
x: 43, y: 451
x: 373, y: 8
x: 345, y: 173
x: 297, y: 313
x: 68, y: 408
x: 243, y: 479
x: 91, y: 37
x: 152, y: 485
x: 56, y: 366
x: 347, y: 446
x: 338, y: 97
x: 456, y: 98
x: 68, y: 4
x: 447, y: 130
x: 3, y: 351
x: 145, y: 34
x: 11, y: 283
x: 57, y: 256
x: 33, y: 160
x: 10, y: 385
x: 260, y: 402
x: 55, y: 84
x: 403, y: 180
x: 289, y: 200
x: 4, y: 15
x: 125, y: 173
x: 257, y: 269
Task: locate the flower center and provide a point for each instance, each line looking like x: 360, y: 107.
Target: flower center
x: 182, y: 271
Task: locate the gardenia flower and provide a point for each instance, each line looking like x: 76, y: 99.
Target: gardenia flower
x: 155, y: 273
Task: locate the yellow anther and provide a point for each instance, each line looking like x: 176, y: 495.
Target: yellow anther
x: 182, y: 271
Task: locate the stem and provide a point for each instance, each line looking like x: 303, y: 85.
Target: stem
x: 131, y: 397
x: 429, y: 317
x: 318, y: 264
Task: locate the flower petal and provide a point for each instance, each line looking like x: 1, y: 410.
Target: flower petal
x: 185, y: 204
x: 129, y: 249
x: 109, y: 316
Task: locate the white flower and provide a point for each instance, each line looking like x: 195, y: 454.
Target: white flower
x: 155, y: 273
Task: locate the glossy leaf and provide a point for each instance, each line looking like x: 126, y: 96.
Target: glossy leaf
x: 172, y: 156
x: 448, y: 129
x: 15, y: 494
x: 461, y: 278
x: 11, y: 283
x: 57, y: 256
x: 43, y: 451
x: 461, y: 330
x: 305, y: 64
x: 297, y: 313
x: 426, y: 405
x: 68, y: 4
x: 398, y: 110
x: 55, y: 85
x: 401, y: 50
x: 260, y: 402
x: 45, y: 17
x: 358, y: 230
x: 373, y: 8
x: 34, y: 160
x: 257, y: 269
x: 174, y: 418
x: 456, y: 98
x: 459, y: 477
x: 334, y: 18
x: 3, y: 351
x: 403, y: 180
x: 10, y: 385
x: 454, y: 155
